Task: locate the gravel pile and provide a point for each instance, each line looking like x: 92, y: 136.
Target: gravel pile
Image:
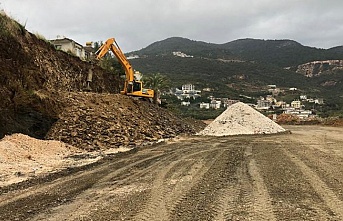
x: 240, y: 118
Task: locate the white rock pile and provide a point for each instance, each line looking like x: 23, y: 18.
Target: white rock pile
x: 240, y: 118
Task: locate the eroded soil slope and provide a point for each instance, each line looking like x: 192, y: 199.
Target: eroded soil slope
x: 31, y: 71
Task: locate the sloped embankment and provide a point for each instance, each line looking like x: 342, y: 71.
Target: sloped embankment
x: 240, y: 118
x: 43, y: 96
x: 31, y: 71
x: 100, y: 121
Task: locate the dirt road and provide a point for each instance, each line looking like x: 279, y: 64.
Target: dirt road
x: 296, y: 176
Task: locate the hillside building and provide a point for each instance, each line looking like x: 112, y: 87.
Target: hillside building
x: 203, y: 105
x: 296, y: 104
x: 181, y: 54
x: 215, y: 104
x: 188, y: 91
x: 71, y: 46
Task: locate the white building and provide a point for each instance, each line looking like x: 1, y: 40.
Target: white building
x: 185, y: 103
x: 187, y: 91
x: 228, y: 102
x: 319, y: 101
x: 296, y: 104
x: 215, y: 104
x: 303, y: 97
x: 302, y: 114
x: 204, y: 105
x: 69, y: 45
x: 263, y: 104
x: 188, y: 87
x: 181, y: 54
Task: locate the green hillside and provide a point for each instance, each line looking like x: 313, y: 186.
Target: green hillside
x: 244, y: 66
x: 187, y: 46
x: 213, y: 73
x: 284, y: 53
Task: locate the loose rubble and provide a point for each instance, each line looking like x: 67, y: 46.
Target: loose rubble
x: 93, y: 121
x: 240, y: 118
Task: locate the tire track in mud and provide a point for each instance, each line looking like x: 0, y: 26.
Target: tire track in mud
x: 62, y: 193
x: 328, y: 167
x: 248, y: 198
x: 327, y: 195
x: 198, y: 203
x: 233, y: 200
x: 225, y: 207
x: 156, y: 206
x: 263, y: 209
x: 109, y: 179
x: 134, y: 177
x: 163, y: 196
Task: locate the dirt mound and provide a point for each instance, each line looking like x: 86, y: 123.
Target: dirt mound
x: 100, y: 121
x: 22, y: 156
x: 240, y: 118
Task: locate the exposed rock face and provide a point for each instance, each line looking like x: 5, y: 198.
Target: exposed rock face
x: 316, y: 68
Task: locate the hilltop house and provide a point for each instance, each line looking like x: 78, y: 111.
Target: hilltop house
x: 69, y: 45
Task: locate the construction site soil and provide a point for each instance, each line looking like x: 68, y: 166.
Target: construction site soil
x: 70, y: 175
x: 297, y: 176
x: 43, y: 94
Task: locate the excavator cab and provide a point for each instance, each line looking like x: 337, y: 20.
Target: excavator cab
x: 137, y: 86
x: 133, y: 86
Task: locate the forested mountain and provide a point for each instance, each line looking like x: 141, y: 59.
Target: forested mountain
x: 338, y: 49
x: 187, y: 46
x: 242, y: 66
x: 284, y: 53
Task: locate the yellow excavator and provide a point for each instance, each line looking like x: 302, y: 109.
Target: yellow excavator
x: 132, y: 87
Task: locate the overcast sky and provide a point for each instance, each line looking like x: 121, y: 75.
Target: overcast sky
x: 137, y: 23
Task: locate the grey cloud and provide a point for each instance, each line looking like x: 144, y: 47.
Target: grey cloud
x: 138, y: 23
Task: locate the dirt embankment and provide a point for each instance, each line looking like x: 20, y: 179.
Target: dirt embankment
x: 44, y: 96
x: 32, y: 70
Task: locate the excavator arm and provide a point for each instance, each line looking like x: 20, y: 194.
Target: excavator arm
x: 112, y: 45
x: 131, y: 86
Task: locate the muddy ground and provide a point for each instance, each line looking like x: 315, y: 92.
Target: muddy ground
x: 296, y: 176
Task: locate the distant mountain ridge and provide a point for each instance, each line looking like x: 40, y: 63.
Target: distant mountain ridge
x: 283, y: 53
x: 244, y: 66
x: 174, y: 44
